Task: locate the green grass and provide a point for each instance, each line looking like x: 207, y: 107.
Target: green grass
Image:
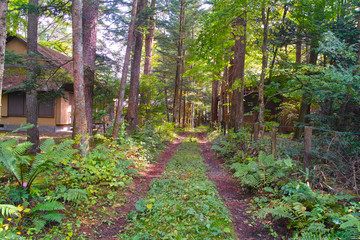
x: 182, y: 204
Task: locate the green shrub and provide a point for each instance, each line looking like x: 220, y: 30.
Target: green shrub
x: 262, y: 171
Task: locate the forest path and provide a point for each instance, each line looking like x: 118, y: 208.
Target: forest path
x: 236, y: 201
x: 137, y: 190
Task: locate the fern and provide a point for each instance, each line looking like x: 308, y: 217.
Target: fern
x: 75, y: 195
x: 350, y: 221
x: 312, y: 236
x: 53, y: 217
x: 48, y: 206
x: 9, y: 210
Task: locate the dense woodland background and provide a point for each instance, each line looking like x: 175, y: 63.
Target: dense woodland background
x: 241, y: 67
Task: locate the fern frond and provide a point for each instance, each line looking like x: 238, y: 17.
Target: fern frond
x: 350, y: 221
x: 9, y: 210
x: 8, y: 144
x: 39, y: 224
x: 47, y: 145
x: 75, y: 195
x: 312, y: 236
x: 48, y: 206
x: 317, y: 227
x: 21, y: 148
x: 53, y: 217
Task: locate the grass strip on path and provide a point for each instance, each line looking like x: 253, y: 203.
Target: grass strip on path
x: 182, y: 204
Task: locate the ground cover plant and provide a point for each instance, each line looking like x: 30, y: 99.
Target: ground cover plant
x: 182, y: 204
x: 56, y: 193
x: 287, y: 195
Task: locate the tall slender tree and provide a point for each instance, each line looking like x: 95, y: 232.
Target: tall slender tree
x: 3, y: 33
x: 149, y: 38
x: 90, y: 18
x: 32, y: 74
x: 179, y: 63
x: 80, y: 123
x: 133, y: 108
x: 265, y: 12
x: 130, y: 40
x: 237, y: 102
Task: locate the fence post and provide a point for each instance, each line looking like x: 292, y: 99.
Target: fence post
x: 307, y: 145
x: 256, y: 131
x: 273, y: 141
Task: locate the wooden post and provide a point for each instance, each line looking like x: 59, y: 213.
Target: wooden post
x: 273, y: 141
x: 256, y: 132
x: 307, y: 145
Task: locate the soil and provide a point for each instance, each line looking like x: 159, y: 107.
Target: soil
x: 137, y: 190
x: 236, y: 201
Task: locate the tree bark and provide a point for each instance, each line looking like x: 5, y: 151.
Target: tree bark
x: 237, y: 103
x: 80, y: 123
x: 298, y: 47
x: 90, y: 17
x: 305, y: 102
x: 179, y: 63
x: 133, y: 109
x: 3, y: 17
x: 265, y: 21
x: 214, y: 102
x: 149, y: 38
x: 31, y: 79
x: 130, y: 40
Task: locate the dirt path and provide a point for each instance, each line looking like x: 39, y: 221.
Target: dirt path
x: 137, y: 190
x: 235, y: 200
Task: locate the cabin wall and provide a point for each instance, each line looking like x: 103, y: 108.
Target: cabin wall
x: 61, y: 120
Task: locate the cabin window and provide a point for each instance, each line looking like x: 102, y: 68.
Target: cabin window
x: 46, y: 109
x: 17, y: 106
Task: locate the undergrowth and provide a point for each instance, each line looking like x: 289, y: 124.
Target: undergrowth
x: 283, y: 190
x: 182, y: 204
x: 54, y: 194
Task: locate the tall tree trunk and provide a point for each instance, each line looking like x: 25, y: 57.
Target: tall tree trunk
x: 184, y: 111
x: 31, y: 79
x: 3, y: 16
x: 133, y: 109
x: 90, y: 17
x: 265, y: 21
x: 130, y: 40
x: 305, y: 101
x: 80, y: 123
x: 237, y: 101
x: 149, y: 39
x: 358, y: 53
x: 214, y: 102
x: 179, y: 63
x: 298, y: 47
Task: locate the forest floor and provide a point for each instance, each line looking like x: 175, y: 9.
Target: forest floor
x: 137, y: 190
x: 230, y: 191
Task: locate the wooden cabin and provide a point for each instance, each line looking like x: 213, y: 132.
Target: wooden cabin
x: 55, y: 114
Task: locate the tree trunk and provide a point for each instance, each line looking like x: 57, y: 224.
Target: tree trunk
x: 80, y: 123
x: 149, y: 39
x: 298, y: 47
x: 3, y: 16
x: 214, y: 102
x: 305, y: 101
x: 265, y: 21
x: 239, y: 69
x: 133, y: 109
x: 90, y: 17
x: 130, y: 40
x: 31, y: 79
x: 179, y: 63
